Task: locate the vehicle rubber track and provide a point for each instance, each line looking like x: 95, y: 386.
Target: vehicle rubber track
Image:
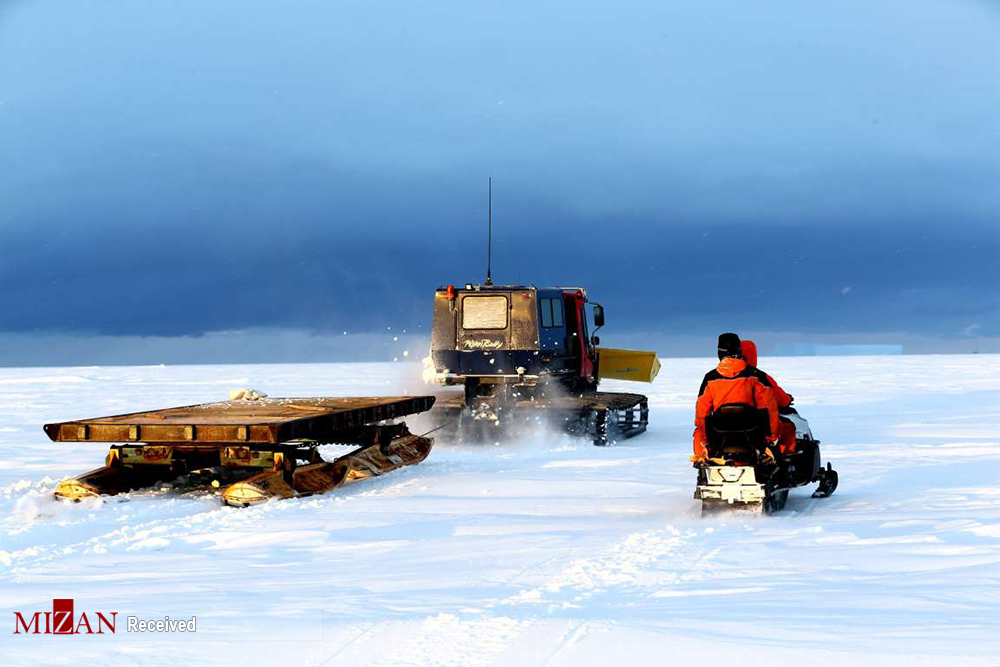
x: 604, y: 417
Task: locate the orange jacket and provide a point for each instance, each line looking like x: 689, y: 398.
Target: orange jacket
x: 732, y: 381
x: 749, y: 349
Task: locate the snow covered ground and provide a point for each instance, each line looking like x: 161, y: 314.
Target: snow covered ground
x: 546, y: 552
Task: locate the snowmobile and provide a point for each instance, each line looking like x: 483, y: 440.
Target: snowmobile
x: 744, y: 473
x: 523, y: 355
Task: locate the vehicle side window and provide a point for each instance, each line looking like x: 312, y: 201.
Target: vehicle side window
x: 545, y: 305
x: 552, y: 312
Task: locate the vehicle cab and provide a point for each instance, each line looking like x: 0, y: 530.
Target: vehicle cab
x: 515, y: 332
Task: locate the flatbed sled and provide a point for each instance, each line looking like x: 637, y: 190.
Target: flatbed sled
x: 270, y: 443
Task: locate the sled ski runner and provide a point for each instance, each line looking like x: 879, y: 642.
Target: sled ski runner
x: 272, y: 444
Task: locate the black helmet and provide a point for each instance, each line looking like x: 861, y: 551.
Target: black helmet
x: 729, y: 346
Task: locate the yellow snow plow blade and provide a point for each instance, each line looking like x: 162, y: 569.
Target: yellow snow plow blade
x: 626, y: 365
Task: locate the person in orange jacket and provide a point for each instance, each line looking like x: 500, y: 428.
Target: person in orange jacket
x: 786, y: 429
x: 732, y: 381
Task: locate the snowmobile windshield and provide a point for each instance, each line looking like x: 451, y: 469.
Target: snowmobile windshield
x: 484, y: 312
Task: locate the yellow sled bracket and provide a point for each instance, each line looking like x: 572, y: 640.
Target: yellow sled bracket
x: 626, y: 365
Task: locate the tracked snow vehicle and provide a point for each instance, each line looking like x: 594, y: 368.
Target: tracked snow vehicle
x: 267, y: 448
x: 743, y: 474
x: 522, y: 354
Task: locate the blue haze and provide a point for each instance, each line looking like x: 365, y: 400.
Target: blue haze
x: 811, y: 169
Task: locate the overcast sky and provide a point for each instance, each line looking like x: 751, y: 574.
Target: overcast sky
x: 176, y: 167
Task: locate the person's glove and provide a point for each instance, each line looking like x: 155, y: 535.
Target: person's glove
x: 699, y: 460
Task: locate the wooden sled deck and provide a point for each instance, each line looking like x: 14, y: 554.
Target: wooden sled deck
x: 267, y: 421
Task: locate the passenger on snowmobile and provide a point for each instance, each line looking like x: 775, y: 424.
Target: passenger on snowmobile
x: 786, y: 432
x: 733, y: 381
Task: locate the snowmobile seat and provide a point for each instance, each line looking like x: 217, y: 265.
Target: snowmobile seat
x: 738, y: 432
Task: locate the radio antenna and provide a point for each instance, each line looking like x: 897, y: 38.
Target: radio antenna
x: 489, y: 243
